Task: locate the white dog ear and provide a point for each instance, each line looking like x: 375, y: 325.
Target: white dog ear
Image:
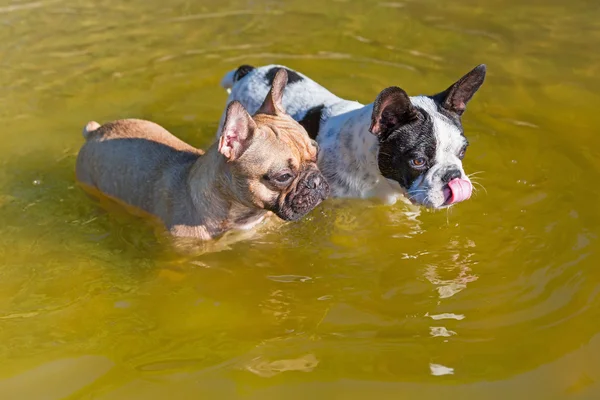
x: 273, y: 104
x: 456, y: 97
x: 237, y: 132
x: 391, y: 108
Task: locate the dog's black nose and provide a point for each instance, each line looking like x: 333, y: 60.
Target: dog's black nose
x: 451, y: 174
x: 313, y: 181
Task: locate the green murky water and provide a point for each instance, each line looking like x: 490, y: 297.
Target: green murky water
x: 359, y: 301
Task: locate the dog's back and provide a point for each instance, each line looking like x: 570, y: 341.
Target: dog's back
x: 303, y: 97
x: 126, y: 159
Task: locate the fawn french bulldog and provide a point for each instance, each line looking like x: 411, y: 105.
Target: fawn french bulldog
x: 260, y: 164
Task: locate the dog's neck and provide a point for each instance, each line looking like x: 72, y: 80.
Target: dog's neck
x: 215, y: 206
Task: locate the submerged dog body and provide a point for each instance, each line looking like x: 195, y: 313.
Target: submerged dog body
x: 260, y: 164
x: 398, y: 145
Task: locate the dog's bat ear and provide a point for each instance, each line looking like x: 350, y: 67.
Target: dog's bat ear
x: 391, y: 108
x: 273, y: 104
x: 456, y: 97
x: 237, y: 131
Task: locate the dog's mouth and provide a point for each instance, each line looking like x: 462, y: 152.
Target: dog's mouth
x: 310, y: 192
x: 457, y: 190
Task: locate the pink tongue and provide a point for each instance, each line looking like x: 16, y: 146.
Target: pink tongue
x: 460, y: 190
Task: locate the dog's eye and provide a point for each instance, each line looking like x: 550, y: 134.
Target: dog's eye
x: 461, y: 155
x: 283, y: 178
x: 418, y: 162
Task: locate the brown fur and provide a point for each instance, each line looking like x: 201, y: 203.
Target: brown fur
x: 204, y: 195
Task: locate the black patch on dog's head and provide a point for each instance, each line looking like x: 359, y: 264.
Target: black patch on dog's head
x: 312, y: 121
x: 405, y: 142
x: 405, y: 133
x: 242, y: 71
x: 293, y: 76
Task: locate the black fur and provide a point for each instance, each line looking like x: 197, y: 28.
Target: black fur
x: 242, y: 71
x: 312, y: 121
x: 293, y: 76
x: 400, y: 144
x: 391, y: 108
x: 454, y: 99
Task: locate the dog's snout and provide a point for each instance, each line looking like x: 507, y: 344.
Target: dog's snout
x: 451, y: 174
x: 313, y: 181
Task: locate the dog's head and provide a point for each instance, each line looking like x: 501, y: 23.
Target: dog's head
x: 272, y: 160
x: 422, y: 143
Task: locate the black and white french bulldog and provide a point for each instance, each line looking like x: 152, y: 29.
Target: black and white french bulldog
x: 398, y: 145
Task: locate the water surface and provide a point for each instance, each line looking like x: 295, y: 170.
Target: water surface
x: 497, y: 299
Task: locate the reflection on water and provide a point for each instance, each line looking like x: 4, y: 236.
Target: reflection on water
x: 496, y: 298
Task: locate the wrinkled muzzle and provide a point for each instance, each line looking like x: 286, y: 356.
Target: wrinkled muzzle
x: 310, y: 190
